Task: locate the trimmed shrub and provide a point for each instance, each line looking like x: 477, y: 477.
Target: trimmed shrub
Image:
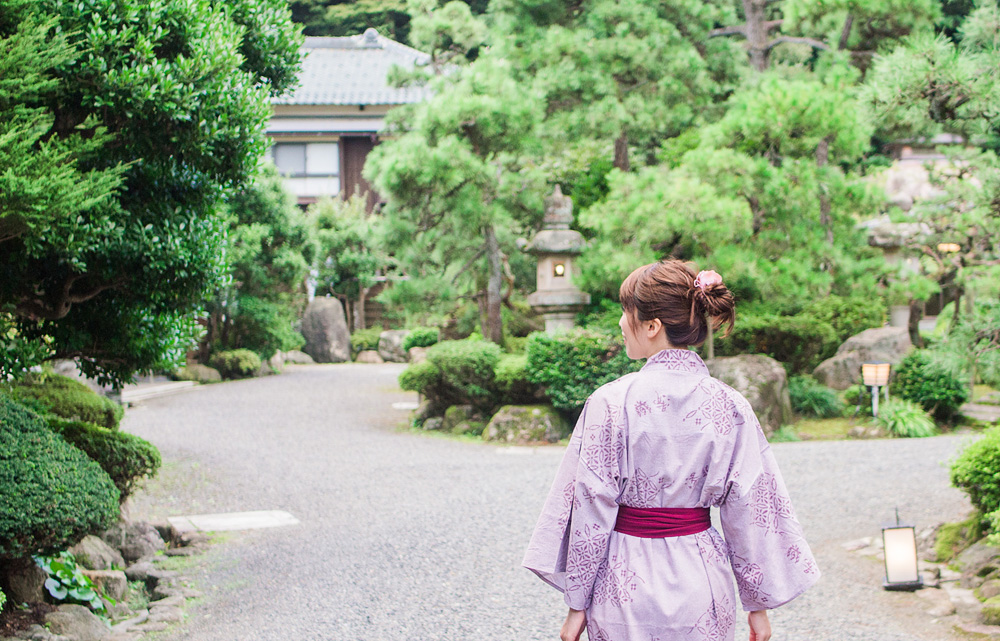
x: 857, y: 399
x: 977, y: 471
x: 365, y: 339
x: 513, y: 386
x: 3, y: 600
x: 456, y: 373
x: 799, y: 342
x: 54, y: 495
x: 571, y: 365
x: 811, y: 397
x: 919, y: 379
x: 847, y: 316
x: 66, y: 398
x: 900, y: 417
x: 124, y: 457
x: 236, y: 363
x: 421, y: 337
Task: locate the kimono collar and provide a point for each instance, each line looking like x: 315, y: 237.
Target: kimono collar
x: 682, y: 360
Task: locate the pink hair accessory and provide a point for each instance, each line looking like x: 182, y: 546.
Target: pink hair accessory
x: 707, y: 279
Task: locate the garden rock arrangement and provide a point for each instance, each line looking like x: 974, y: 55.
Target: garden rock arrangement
x: 140, y: 549
x: 523, y: 424
x: 878, y: 345
x: 764, y: 383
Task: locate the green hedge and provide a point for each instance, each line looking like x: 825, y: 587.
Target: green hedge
x: 421, y: 337
x: 456, y: 373
x: 571, y: 365
x: 236, y: 363
x: 124, y: 457
x: 847, y: 316
x: 53, y: 494
x: 66, y: 398
x: 919, y: 379
x: 977, y: 471
x: 799, y: 342
x: 513, y: 386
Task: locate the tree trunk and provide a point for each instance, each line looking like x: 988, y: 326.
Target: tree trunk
x: 493, y: 330
x: 621, y: 152
x: 756, y: 33
x: 957, y: 310
x: 359, y: 309
x: 822, y: 159
x: 916, y: 313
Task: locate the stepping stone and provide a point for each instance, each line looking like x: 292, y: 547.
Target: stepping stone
x: 233, y: 521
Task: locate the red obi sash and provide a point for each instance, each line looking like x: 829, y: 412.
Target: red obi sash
x: 661, y: 522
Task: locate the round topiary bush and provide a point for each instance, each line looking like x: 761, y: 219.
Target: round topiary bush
x: 237, y: 363
x: 124, y: 457
x: 977, y: 471
x: 421, y: 337
x: 54, y: 495
x: 365, y: 339
x: 512, y: 382
x: 66, y: 398
x: 456, y: 373
x: 919, y: 379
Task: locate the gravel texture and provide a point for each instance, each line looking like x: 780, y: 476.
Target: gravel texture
x: 407, y: 536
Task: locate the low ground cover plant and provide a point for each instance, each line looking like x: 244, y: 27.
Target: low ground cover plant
x: 900, y: 417
x: 67, y: 584
x: 812, y: 398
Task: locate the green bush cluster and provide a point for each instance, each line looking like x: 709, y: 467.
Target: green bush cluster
x: 919, y: 379
x: 512, y: 384
x: 236, y: 363
x: 811, y: 397
x: 124, y: 457
x: 421, y: 337
x: 847, y: 316
x: 977, y: 471
x: 365, y: 339
x: 66, y: 398
x: 800, y: 342
x: 904, y: 418
x: 571, y: 365
x: 54, y: 495
x: 456, y: 373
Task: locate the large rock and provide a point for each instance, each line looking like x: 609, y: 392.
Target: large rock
x: 368, y: 356
x: 134, y: 540
x: 419, y: 355
x: 77, y: 622
x: 977, y: 560
x: 295, y: 357
x: 325, y: 330
x: 112, y: 583
x: 199, y: 373
x: 390, y: 345
x: 877, y: 345
x: 762, y: 381
x: 526, y: 424
x: 94, y: 553
x: 22, y: 580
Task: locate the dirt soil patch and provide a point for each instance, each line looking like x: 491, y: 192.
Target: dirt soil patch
x: 14, y: 620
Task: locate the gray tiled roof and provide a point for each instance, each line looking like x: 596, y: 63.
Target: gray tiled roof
x: 352, y: 71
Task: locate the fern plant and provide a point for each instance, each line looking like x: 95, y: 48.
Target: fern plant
x: 907, y: 419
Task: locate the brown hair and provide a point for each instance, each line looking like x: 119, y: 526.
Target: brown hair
x: 666, y: 290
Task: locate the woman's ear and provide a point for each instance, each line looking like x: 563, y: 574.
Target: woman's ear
x: 653, y: 327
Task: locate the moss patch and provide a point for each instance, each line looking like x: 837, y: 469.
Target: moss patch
x: 823, y: 428
x: 953, y: 538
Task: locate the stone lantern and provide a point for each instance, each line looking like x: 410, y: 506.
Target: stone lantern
x: 556, y: 247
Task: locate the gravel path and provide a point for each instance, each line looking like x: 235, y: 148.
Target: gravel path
x: 410, y: 537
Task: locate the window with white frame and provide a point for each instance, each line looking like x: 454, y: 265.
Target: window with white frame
x: 300, y: 159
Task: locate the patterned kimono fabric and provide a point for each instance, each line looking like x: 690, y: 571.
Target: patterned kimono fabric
x: 669, y: 436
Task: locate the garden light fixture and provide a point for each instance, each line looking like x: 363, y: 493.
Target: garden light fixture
x: 900, y: 545
x: 949, y: 248
x: 876, y: 375
x: 559, y: 270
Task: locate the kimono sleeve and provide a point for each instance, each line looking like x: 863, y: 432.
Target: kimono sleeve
x: 570, y: 541
x: 767, y: 549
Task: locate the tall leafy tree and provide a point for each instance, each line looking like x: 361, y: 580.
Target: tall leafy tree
x: 176, y: 93
x: 271, y: 247
x: 458, y: 187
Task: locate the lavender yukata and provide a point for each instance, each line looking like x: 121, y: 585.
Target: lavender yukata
x: 671, y: 436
